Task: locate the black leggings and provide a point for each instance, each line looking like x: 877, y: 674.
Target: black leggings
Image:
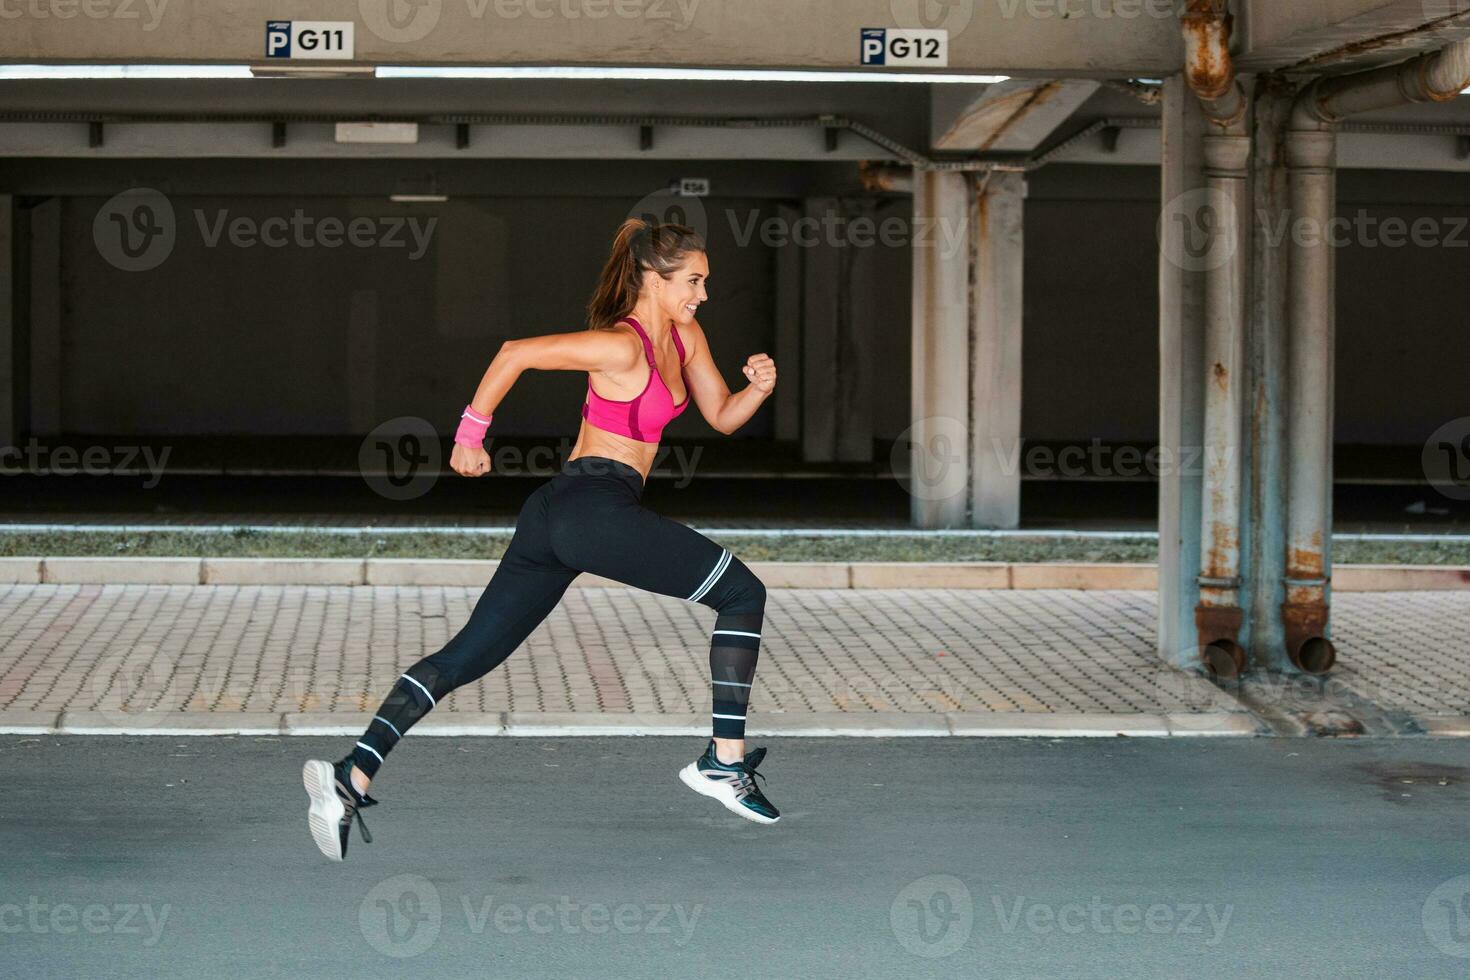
x: 587, y: 518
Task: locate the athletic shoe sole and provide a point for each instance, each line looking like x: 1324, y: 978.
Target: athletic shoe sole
x: 325, y: 814
x: 724, y: 792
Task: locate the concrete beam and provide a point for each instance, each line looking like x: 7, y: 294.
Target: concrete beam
x: 1037, y: 36
x: 1014, y: 116
x: 1345, y: 35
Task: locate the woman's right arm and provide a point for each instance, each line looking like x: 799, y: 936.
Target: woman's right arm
x: 581, y: 350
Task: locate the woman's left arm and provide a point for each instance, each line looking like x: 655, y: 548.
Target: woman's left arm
x: 722, y: 410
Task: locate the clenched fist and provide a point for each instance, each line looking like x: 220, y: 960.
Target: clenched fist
x: 760, y: 370
x: 469, y: 461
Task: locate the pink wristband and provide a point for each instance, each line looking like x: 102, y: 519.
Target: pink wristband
x: 472, y: 426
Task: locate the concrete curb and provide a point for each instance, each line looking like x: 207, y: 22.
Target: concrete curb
x: 809, y: 724
x: 776, y: 574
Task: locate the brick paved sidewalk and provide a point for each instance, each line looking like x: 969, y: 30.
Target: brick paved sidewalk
x: 125, y: 655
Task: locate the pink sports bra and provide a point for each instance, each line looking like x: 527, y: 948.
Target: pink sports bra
x: 642, y: 418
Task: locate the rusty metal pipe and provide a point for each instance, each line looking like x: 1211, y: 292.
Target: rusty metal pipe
x: 1435, y: 77
x: 1310, y: 341
x: 1210, y: 75
x: 1218, y: 616
x: 1311, y: 147
x: 1208, y: 69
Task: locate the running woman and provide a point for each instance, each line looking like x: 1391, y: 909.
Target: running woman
x: 589, y: 518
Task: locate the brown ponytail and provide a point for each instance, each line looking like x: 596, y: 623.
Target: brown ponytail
x: 638, y: 245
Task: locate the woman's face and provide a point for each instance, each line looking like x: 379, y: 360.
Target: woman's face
x: 680, y: 295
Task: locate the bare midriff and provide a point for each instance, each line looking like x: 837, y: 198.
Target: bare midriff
x: 592, y: 441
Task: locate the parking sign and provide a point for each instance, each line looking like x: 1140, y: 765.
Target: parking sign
x: 904, y: 47
x: 309, y: 39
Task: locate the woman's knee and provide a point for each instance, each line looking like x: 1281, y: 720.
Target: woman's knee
x: 739, y: 590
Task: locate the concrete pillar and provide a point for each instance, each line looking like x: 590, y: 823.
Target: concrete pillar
x: 995, y: 390
x: 788, y: 332
x: 1181, y: 371
x: 939, y: 439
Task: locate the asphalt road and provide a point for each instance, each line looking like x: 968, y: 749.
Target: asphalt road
x: 158, y: 857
